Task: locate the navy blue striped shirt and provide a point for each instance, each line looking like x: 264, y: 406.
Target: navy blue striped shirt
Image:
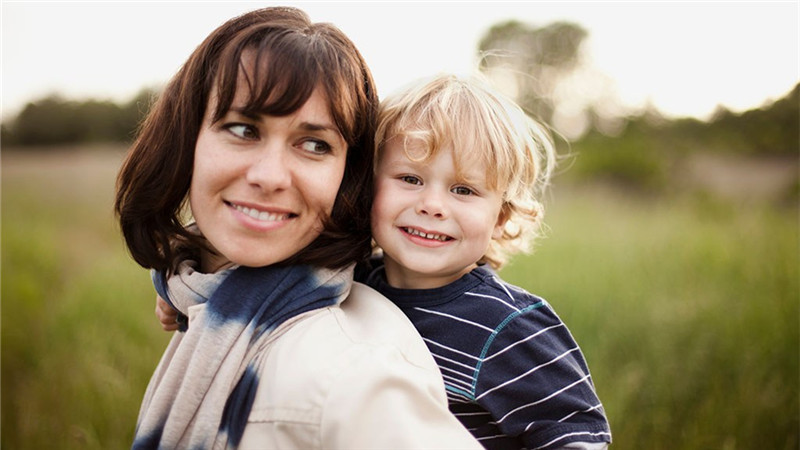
x: 514, y: 375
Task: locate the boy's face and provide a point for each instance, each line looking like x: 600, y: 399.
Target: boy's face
x: 432, y: 225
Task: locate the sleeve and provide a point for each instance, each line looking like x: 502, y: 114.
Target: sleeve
x: 383, y: 401
x: 536, y: 384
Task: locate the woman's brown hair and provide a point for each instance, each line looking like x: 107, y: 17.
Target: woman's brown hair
x: 293, y: 56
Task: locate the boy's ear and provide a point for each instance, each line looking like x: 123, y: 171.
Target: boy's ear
x: 502, y: 218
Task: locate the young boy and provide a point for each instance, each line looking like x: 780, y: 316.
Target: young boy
x: 459, y: 171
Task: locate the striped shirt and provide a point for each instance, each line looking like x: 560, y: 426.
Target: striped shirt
x: 514, y: 375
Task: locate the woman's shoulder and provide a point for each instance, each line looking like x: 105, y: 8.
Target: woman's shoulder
x: 328, y: 375
x: 369, y: 317
x: 323, y: 342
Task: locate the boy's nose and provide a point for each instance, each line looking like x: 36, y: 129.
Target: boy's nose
x: 431, y: 204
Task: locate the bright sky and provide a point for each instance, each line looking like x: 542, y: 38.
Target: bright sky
x: 683, y: 57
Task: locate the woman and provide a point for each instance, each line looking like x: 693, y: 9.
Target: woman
x: 267, y: 133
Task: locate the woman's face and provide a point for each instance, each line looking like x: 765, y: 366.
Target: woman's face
x: 262, y: 184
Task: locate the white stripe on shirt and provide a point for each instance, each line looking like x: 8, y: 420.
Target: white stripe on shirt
x: 543, y: 330
x: 450, y: 349
x: 455, y: 318
x: 438, y: 356
x: 493, y: 298
x: 597, y: 406
x: 529, y: 372
x: 467, y: 386
x: 554, y: 394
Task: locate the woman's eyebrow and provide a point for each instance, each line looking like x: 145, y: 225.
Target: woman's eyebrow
x: 308, y: 126
x: 311, y: 126
x: 245, y: 113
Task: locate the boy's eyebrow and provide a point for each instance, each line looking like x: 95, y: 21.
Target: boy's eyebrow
x: 474, y: 176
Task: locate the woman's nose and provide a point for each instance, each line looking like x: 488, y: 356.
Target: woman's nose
x: 270, y: 170
x: 431, y: 203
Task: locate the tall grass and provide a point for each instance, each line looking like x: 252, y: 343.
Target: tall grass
x: 687, y: 311
x: 78, y: 338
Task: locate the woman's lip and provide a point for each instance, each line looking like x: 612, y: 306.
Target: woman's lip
x: 261, y: 213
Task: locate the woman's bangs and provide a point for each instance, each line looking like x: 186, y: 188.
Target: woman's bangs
x: 283, y: 80
x: 279, y: 79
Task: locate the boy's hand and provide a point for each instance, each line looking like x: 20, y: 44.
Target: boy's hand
x: 166, y: 315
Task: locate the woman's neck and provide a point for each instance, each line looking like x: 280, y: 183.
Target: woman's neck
x: 212, y: 262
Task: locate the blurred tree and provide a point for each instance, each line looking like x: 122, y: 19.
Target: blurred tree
x: 54, y: 120
x: 7, y: 136
x: 543, y: 69
x: 51, y: 120
x: 538, y: 57
x: 136, y: 109
x: 646, y: 154
x: 774, y: 128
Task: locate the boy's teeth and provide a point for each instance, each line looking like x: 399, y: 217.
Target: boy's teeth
x: 260, y: 215
x: 437, y: 237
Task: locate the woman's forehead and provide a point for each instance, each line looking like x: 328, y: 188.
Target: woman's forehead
x: 255, y: 83
x: 260, y: 89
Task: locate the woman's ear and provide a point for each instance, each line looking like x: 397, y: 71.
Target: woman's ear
x: 502, y: 218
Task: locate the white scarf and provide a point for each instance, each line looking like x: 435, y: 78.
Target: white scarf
x: 202, y: 391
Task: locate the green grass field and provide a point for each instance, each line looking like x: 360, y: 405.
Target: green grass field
x: 687, y: 310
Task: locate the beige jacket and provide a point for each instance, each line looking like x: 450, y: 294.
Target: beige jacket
x: 353, y: 376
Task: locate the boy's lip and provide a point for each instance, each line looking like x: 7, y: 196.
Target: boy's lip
x: 428, y: 235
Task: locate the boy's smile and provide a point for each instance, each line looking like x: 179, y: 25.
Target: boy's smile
x: 433, y: 223
x: 426, y: 237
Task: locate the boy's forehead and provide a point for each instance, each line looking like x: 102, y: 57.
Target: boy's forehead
x: 468, y: 163
x: 473, y: 173
x: 463, y: 153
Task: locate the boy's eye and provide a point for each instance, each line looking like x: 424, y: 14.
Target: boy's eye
x: 462, y: 190
x: 411, y: 179
x: 315, y: 146
x: 242, y: 131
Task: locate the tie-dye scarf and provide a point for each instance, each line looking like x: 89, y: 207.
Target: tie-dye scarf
x: 202, y: 391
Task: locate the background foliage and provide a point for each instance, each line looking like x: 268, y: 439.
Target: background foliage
x: 54, y: 120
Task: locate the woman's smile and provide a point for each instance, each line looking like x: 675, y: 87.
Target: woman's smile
x: 261, y: 215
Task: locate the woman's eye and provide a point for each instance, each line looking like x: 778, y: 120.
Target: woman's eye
x: 463, y: 190
x: 243, y: 131
x: 316, y: 147
x: 410, y: 179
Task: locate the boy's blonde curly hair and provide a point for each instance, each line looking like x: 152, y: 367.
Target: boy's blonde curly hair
x: 482, y: 127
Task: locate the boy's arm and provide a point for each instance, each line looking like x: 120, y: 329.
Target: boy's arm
x: 536, y: 384
x: 166, y: 315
